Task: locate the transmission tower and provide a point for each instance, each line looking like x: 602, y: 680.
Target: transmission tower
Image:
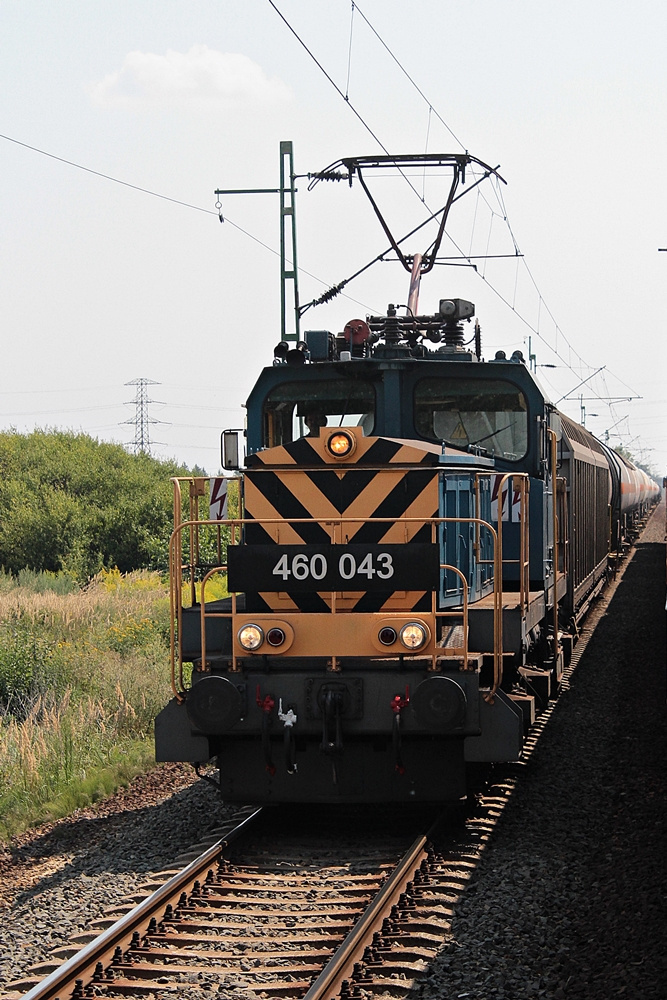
x: 141, y: 420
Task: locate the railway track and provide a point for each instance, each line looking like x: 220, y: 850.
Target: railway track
x: 272, y: 912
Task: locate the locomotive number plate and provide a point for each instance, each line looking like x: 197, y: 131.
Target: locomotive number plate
x: 332, y: 567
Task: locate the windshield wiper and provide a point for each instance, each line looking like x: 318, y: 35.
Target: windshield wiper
x: 498, y: 430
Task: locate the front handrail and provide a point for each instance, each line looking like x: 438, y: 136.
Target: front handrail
x: 235, y: 525
x: 461, y: 612
x: 523, y: 487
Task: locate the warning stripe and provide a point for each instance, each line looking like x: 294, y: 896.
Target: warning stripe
x: 391, y: 493
x: 265, y: 496
x: 386, y: 478
x: 310, y: 451
x: 388, y: 494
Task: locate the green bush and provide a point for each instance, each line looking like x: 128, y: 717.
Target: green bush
x: 43, y: 581
x: 27, y: 667
x: 73, y: 505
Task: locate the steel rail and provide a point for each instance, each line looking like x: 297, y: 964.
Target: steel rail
x: 82, y: 965
x: 341, y: 965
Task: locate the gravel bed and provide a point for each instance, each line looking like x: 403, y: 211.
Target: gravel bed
x: 57, y: 880
x: 569, y: 899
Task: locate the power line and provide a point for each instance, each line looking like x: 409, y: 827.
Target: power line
x: 345, y: 97
x: 503, y: 215
x: 340, y: 92
x: 405, y: 72
x: 174, y: 201
x: 199, y: 208
x: 107, y: 177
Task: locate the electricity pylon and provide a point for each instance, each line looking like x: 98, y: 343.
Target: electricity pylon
x: 141, y: 419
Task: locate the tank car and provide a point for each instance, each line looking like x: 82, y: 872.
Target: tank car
x: 417, y: 534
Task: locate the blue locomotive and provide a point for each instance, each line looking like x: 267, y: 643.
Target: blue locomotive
x: 418, y: 533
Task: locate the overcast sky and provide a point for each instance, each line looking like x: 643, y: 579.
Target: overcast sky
x: 102, y: 284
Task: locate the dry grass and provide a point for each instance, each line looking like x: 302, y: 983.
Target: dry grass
x: 82, y: 677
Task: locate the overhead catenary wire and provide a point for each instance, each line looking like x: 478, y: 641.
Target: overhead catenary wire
x: 164, y: 197
x: 552, y: 347
x: 432, y: 110
x: 199, y: 208
x: 405, y: 72
x: 329, y: 294
x: 339, y: 91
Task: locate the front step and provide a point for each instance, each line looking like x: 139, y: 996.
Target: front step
x: 539, y: 683
x: 526, y: 702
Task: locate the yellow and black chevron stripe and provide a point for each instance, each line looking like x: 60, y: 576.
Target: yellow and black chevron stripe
x: 384, y: 478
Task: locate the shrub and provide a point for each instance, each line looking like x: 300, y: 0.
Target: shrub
x: 70, y: 504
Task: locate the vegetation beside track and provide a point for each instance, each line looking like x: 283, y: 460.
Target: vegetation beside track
x: 83, y: 672
x: 72, y: 505
x: 84, y: 619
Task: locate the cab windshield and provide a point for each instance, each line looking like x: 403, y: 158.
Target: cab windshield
x: 300, y: 409
x: 463, y: 412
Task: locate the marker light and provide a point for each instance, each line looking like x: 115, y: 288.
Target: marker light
x: 341, y: 444
x: 387, y: 635
x: 413, y: 635
x: 275, y: 637
x: 250, y: 637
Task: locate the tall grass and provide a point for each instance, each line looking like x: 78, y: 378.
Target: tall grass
x: 82, y: 676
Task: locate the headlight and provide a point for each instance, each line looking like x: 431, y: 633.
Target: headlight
x: 250, y: 637
x: 414, y: 635
x: 341, y: 444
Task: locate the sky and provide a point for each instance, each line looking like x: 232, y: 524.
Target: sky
x: 120, y: 120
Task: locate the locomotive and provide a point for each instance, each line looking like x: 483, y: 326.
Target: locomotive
x: 417, y: 536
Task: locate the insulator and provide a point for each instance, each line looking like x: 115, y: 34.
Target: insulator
x: 453, y: 335
x: 330, y: 294
x: 329, y: 175
x: 392, y: 330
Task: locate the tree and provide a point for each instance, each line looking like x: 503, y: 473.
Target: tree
x: 71, y: 503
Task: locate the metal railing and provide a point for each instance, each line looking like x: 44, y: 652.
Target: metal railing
x: 183, y: 579
x: 193, y: 571
x: 520, y: 484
